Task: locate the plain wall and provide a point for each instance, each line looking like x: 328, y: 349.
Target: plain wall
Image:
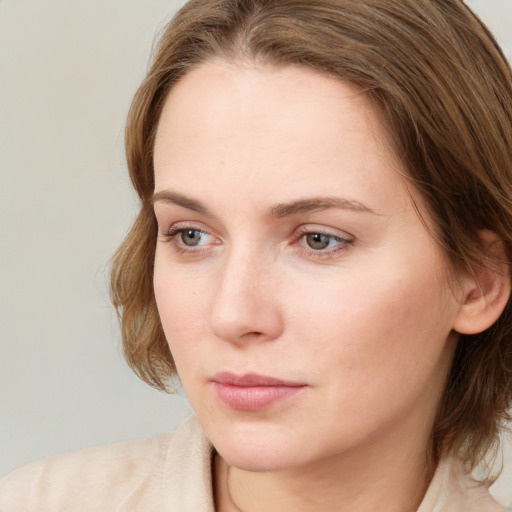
x: 68, y: 70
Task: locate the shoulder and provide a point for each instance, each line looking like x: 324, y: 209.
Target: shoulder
x: 165, y: 473
x: 91, y: 479
x: 453, y: 489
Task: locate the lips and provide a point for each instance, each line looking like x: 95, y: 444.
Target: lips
x: 252, y: 392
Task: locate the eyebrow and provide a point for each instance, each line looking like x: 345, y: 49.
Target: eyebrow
x: 277, y: 211
x: 167, y: 196
x: 317, y: 203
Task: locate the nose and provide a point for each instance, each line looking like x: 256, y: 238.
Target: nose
x: 245, y: 307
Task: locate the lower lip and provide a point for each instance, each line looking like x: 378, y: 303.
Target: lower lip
x: 253, y: 398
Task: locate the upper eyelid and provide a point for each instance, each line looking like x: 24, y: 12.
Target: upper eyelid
x: 324, y: 230
x: 195, y: 225
x: 174, y: 231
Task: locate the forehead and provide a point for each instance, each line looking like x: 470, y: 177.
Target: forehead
x: 279, y: 130
x: 253, y: 96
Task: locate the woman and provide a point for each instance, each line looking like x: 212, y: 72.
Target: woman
x: 322, y: 256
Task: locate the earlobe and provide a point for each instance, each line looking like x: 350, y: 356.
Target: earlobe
x: 486, y: 292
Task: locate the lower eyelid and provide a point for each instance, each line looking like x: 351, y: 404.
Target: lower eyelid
x: 327, y: 254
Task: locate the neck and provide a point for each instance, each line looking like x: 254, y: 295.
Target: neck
x: 361, y: 482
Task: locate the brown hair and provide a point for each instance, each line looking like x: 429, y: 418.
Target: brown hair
x: 444, y: 90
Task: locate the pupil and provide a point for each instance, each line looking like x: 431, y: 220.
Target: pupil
x: 317, y: 240
x: 191, y: 237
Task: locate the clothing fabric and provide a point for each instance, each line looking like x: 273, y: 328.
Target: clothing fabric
x: 172, y: 473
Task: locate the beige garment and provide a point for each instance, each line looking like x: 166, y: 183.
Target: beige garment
x: 172, y: 473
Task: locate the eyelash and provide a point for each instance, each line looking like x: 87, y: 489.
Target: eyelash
x: 170, y: 237
x: 344, y: 243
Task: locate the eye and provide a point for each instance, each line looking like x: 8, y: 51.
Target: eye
x: 322, y: 244
x: 188, y: 238
x: 320, y: 241
x: 192, y: 237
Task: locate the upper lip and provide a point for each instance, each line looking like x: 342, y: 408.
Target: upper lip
x: 252, y: 380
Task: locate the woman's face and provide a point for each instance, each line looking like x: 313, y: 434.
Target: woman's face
x: 308, y: 310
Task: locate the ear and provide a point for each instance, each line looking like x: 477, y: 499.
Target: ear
x: 486, y: 291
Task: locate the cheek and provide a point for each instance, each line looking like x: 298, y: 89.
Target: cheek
x: 376, y: 334
x: 182, y: 305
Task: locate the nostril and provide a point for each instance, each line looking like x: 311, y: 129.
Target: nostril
x: 255, y: 334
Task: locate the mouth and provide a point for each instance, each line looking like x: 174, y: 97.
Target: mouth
x: 252, y: 392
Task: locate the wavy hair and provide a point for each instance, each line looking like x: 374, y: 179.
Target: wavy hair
x: 444, y: 91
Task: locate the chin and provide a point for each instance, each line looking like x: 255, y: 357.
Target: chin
x: 259, y: 451
x: 264, y: 459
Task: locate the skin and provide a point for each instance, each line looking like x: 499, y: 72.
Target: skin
x: 366, y: 323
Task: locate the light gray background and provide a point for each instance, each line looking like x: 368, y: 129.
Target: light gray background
x: 68, y: 70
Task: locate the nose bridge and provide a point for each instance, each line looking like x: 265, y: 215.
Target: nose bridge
x: 244, y: 305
